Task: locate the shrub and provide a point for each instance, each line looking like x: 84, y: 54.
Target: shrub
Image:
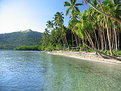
x: 34, y: 47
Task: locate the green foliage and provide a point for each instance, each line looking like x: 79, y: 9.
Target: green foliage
x: 89, y: 50
x: 72, y: 7
x: 107, y: 52
x: 34, y: 47
x: 117, y: 52
x: 49, y: 47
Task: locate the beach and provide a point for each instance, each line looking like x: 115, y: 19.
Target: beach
x: 90, y: 56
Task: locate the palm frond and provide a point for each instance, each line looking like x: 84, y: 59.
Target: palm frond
x: 71, y: 1
x: 77, y: 9
x: 66, y: 4
x: 67, y: 11
x: 74, y: 1
x: 78, y: 4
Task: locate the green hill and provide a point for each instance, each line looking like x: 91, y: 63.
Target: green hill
x: 21, y: 38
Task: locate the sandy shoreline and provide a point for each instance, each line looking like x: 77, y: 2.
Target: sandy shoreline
x: 85, y: 56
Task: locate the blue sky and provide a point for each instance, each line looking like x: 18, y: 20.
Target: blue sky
x: 16, y: 15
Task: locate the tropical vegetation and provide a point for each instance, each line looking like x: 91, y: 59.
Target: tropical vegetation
x: 32, y: 47
x: 97, y: 28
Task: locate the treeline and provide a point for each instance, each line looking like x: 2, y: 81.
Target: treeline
x: 34, y: 47
x: 97, y: 28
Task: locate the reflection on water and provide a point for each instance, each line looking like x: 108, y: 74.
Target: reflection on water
x: 38, y: 71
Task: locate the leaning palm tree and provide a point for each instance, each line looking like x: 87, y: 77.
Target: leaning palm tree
x: 102, y: 12
x: 112, y: 7
x: 72, y: 7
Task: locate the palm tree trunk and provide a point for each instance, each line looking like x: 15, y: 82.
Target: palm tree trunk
x: 89, y: 39
x: 104, y: 38
x: 102, y: 42
x: 76, y: 39
x: 72, y: 39
x: 66, y: 41
x: 94, y: 7
x: 116, y: 40
x: 101, y: 38
x: 109, y: 38
x: 113, y: 41
x: 97, y: 43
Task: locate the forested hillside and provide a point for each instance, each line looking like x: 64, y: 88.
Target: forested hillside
x: 21, y: 38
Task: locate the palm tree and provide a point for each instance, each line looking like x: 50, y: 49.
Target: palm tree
x: 58, y: 21
x: 72, y: 7
x: 50, y: 25
x: 102, y: 12
x: 112, y: 7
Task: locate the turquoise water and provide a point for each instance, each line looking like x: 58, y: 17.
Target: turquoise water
x: 38, y: 71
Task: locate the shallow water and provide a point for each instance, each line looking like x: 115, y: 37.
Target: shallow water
x: 38, y: 71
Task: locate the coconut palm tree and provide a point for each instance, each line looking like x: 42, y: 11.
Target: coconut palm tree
x: 102, y: 12
x: 50, y: 25
x: 72, y: 7
x: 112, y: 7
x: 58, y: 21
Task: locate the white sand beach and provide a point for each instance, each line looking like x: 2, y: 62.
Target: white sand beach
x: 91, y: 56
